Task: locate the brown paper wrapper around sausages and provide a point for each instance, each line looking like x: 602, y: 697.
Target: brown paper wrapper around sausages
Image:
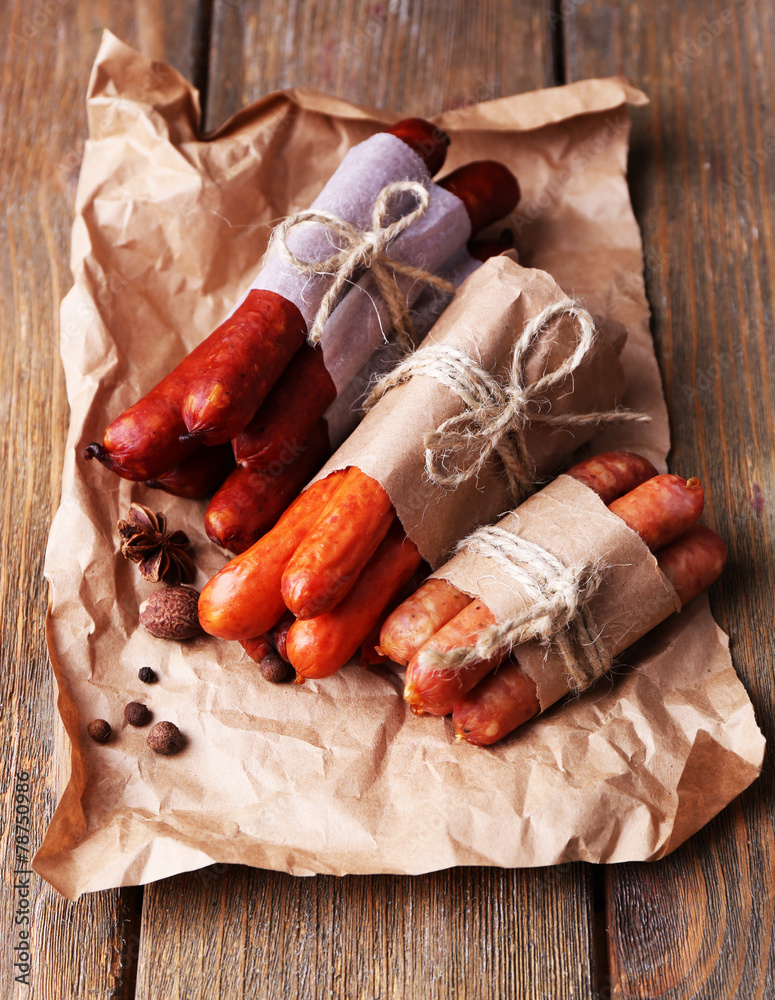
x: 488, y: 314
x: 338, y: 776
x: 571, y: 522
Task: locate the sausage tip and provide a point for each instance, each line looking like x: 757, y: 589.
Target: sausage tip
x: 96, y: 450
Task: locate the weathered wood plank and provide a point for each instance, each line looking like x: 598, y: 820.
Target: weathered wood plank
x: 420, y: 58
x: 700, y: 924
x: 88, y: 948
x: 465, y: 933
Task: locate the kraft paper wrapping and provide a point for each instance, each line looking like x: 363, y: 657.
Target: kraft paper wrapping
x: 487, y: 315
x: 571, y: 522
x: 338, y: 776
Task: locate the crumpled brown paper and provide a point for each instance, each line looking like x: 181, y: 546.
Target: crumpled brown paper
x: 484, y: 322
x: 338, y: 776
x: 569, y: 520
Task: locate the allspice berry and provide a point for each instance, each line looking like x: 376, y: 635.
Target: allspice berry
x: 136, y: 714
x: 147, y: 675
x: 172, y: 613
x: 165, y: 738
x: 274, y: 669
x: 99, y: 730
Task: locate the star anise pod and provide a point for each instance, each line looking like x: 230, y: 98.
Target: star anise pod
x: 159, y: 554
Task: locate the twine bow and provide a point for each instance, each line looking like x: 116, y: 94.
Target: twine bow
x: 496, y: 415
x: 559, y: 615
x: 362, y: 249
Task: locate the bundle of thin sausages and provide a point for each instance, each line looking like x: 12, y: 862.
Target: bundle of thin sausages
x: 490, y: 697
x: 254, y: 388
x: 339, y: 557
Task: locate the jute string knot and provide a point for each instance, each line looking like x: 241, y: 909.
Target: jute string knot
x: 558, y: 616
x: 362, y: 249
x: 496, y: 415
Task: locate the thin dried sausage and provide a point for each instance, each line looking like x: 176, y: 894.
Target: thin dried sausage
x: 507, y: 698
x: 244, y: 598
x: 319, y: 646
x: 329, y: 559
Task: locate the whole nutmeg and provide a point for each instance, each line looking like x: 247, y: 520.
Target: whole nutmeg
x: 165, y: 738
x: 147, y: 675
x: 99, y: 730
x: 136, y: 714
x: 171, y: 613
x: 275, y: 669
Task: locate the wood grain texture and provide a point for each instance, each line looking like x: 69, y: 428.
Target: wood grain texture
x: 471, y: 934
x: 406, y: 55
x: 467, y: 933
x: 700, y: 923
x: 87, y: 948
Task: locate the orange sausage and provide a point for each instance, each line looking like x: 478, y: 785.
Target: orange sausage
x: 613, y: 473
x: 661, y: 509
x: 318, y: 647
x: 437, y: 602
x: 658, y: 510
x: 244, y: 599
x: 507, y: 698
x: 419, y: 617
x: 327, y: 562
x: 693, y: 562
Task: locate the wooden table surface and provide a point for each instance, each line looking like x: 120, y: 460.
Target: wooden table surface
x: 698, y: 924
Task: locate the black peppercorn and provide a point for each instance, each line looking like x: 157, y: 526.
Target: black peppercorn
x: 146, y: 675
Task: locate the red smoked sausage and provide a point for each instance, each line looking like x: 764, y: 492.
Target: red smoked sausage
x: 197, y: 476
x: 250, y: 352
x: 154, y: 435
x: 427, y: 140
x: 251, y: 500
x: 298, y: 401
x: 246, y: 362
x: 488, y: 191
